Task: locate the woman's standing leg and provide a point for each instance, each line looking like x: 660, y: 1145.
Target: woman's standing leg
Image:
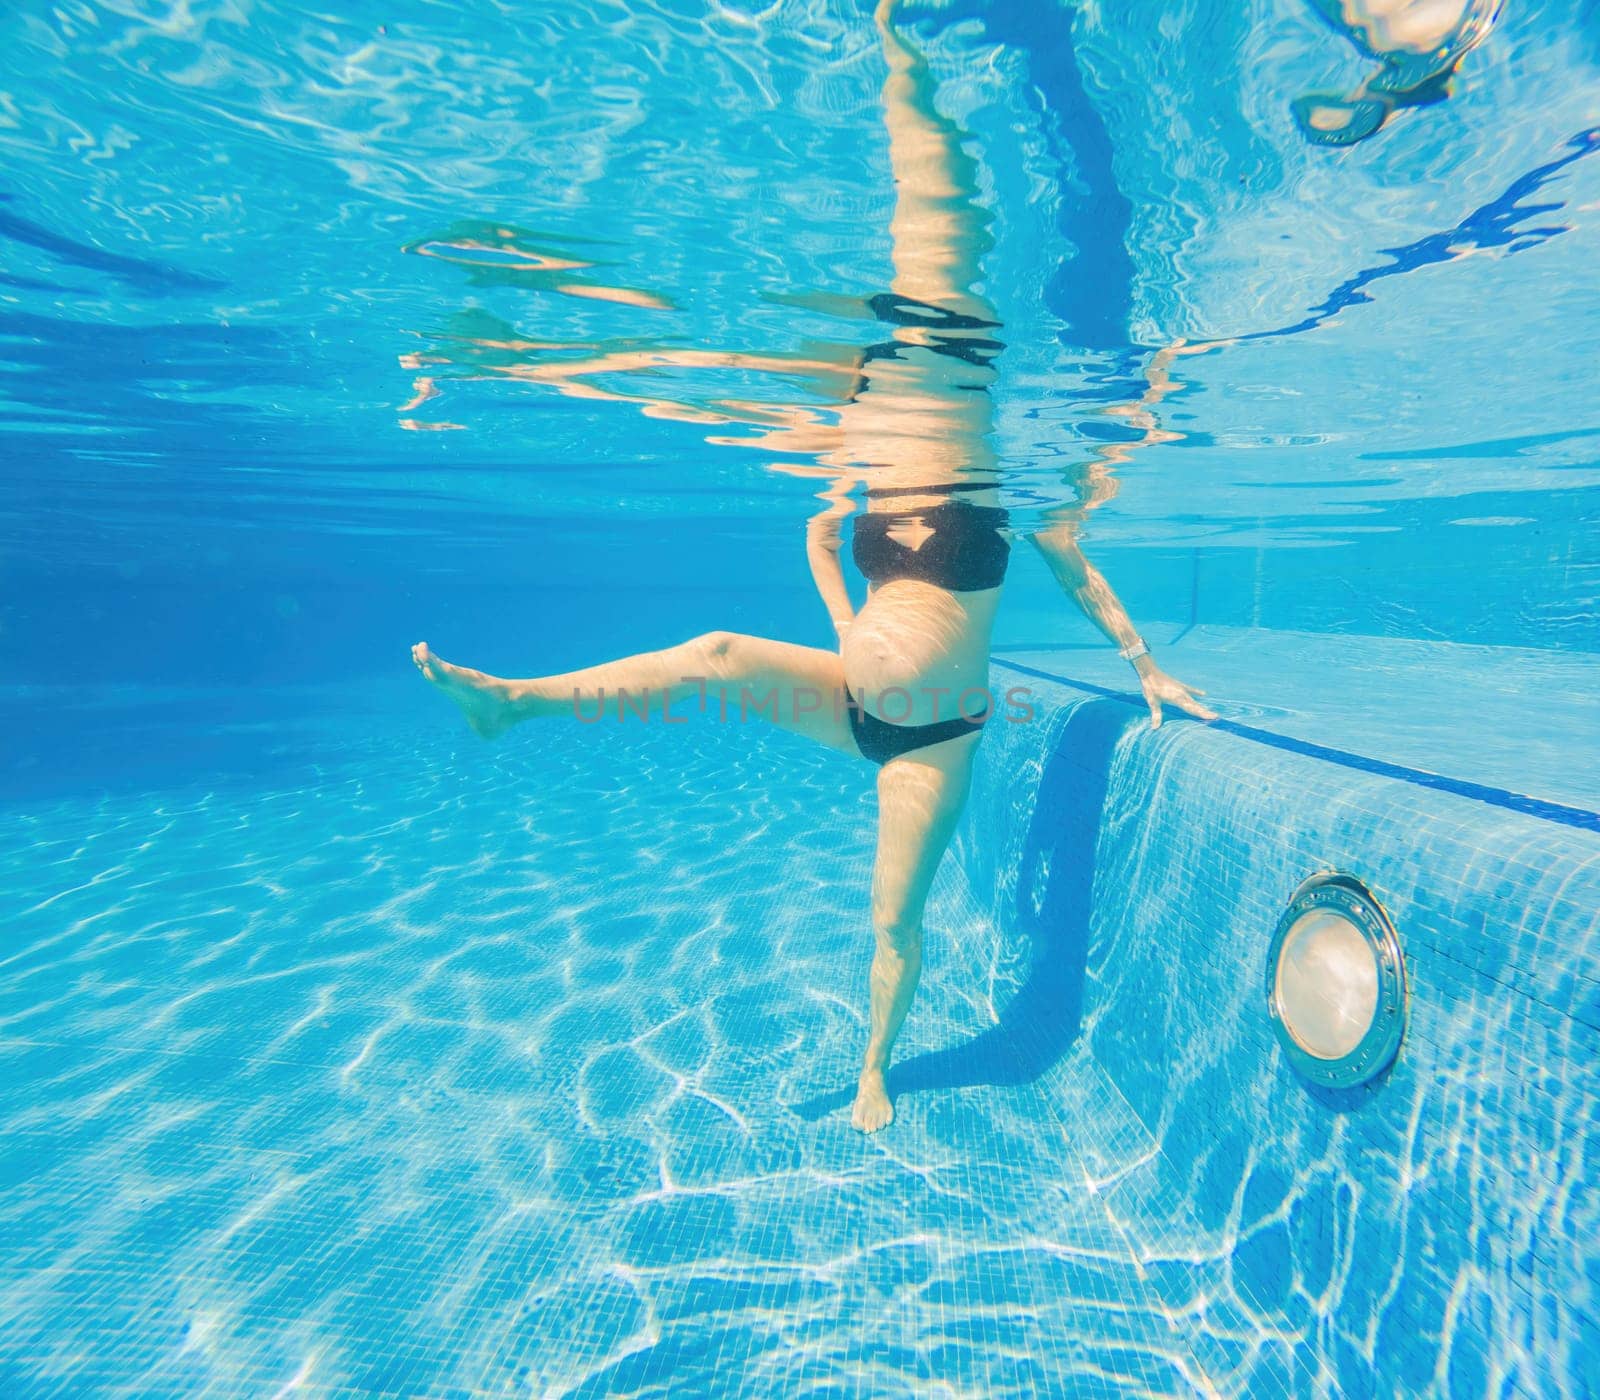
x: 920, y: 796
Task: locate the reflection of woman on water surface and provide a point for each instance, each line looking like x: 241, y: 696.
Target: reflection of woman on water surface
x: 903, y: 688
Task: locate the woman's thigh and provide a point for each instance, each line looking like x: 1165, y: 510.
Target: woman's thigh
x: 795, y: 687
x: 920, y: 798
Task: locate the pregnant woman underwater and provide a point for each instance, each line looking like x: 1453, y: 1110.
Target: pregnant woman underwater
x: 913, y: 423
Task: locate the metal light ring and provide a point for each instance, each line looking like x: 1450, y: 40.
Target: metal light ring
x: 1373, y: 1054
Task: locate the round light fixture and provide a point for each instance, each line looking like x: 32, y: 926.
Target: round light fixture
x: 1336, y: 982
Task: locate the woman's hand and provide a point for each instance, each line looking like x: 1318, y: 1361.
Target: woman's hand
x: 1160, y: 688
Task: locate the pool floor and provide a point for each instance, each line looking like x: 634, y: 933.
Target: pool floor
x: 429, y: 1067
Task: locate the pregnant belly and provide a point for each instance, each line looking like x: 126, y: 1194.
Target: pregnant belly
x: 914, y: 649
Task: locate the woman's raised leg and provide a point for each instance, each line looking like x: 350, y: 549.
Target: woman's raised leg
x: 798, y: 688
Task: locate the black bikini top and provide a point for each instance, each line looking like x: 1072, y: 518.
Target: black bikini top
x: 966, y: 551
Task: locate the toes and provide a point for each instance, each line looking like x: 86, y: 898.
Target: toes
x: 871, y: 1114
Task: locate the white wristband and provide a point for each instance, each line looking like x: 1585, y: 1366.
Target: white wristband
x: 1134, y: 652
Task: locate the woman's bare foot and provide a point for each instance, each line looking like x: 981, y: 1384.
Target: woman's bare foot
x: 485, y: 700
x: 872, y: 1108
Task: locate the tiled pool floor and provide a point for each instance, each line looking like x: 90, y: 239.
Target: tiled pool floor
x: 434, y: 1068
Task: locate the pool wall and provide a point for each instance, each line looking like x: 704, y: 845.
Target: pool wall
x: 1429, y: 1233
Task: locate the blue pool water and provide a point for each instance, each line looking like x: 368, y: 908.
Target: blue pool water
x: 342, y: 1053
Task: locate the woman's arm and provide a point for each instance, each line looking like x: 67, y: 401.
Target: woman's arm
x: 1088, y: 588
x: 823, y: 540
x: 1097, y: 484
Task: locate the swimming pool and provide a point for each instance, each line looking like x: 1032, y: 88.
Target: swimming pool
x: 346, y: 1053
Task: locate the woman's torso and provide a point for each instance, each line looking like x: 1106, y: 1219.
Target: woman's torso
x: 933, y: 539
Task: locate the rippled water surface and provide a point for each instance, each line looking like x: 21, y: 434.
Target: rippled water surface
x: 346, y: 1054
x: 248, y: 248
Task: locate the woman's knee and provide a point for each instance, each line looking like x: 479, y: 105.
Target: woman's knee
x: 717, y: 654
x: 896, y: 929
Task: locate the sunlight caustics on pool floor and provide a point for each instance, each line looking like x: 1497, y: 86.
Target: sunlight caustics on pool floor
x: 503, y: 1106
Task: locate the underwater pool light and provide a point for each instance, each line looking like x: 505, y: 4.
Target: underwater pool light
x: 1336, y: 982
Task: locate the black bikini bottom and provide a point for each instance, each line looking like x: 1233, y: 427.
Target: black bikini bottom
x: 879, y: 741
